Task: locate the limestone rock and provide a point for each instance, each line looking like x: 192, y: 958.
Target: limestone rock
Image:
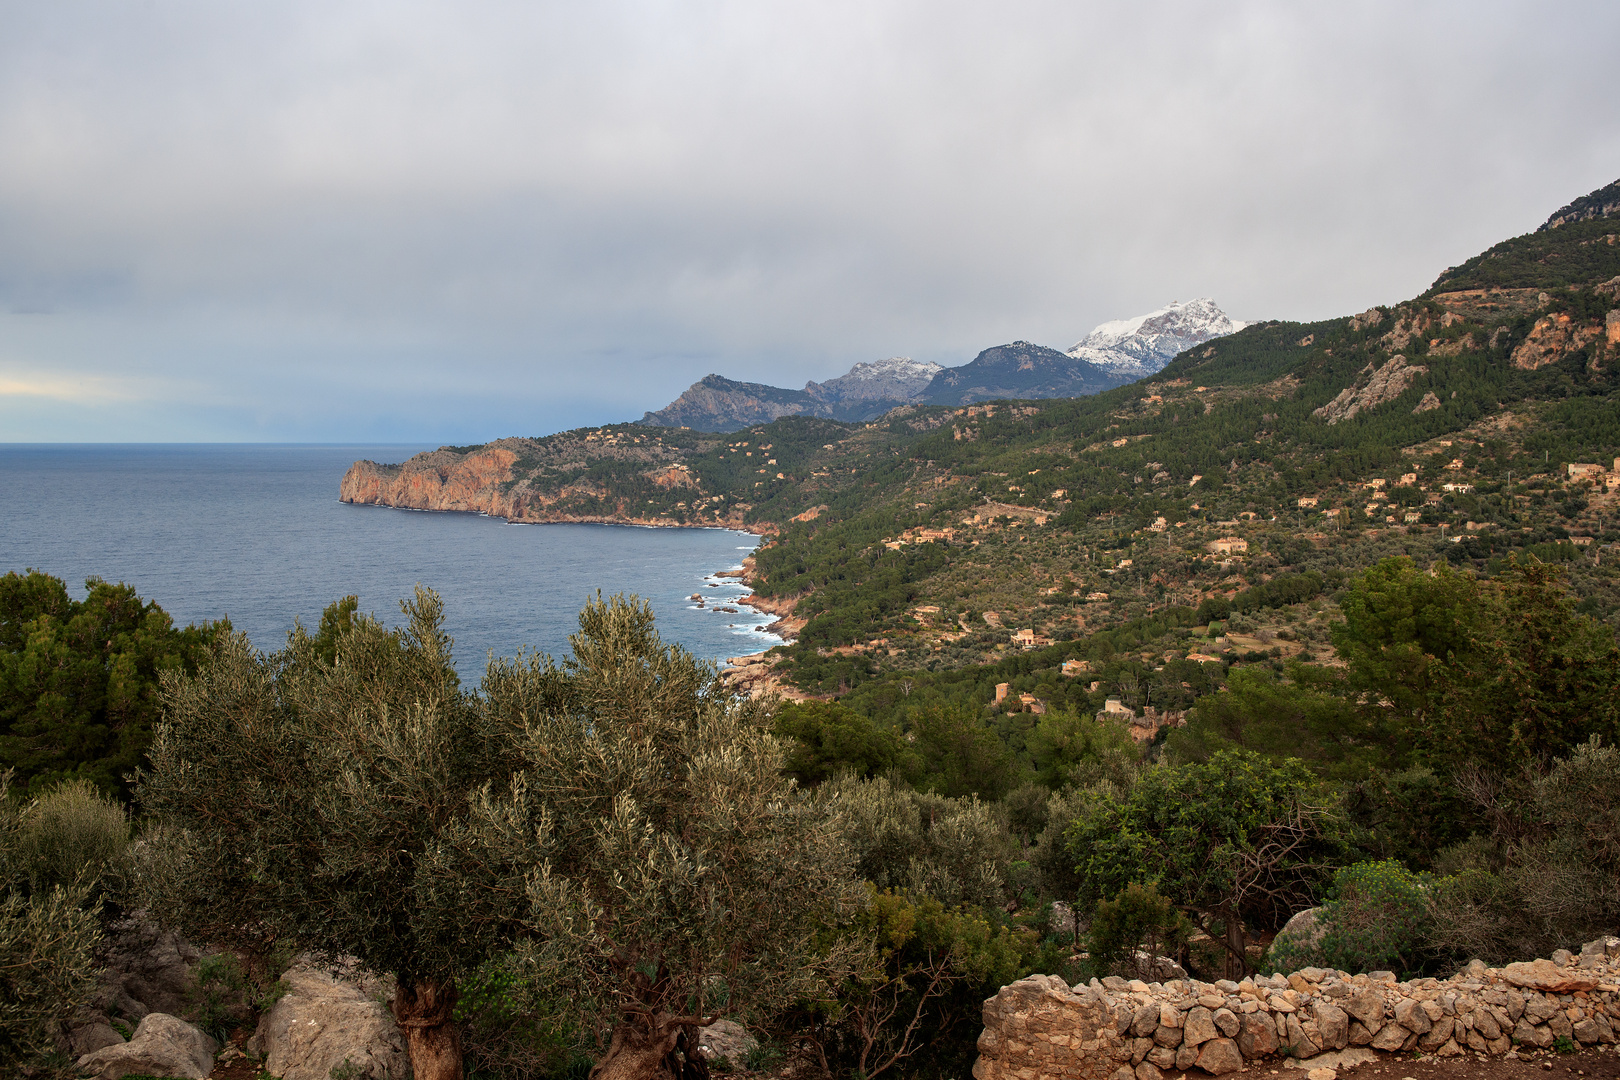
x: 1411, y: 1015
x: 1199, y: 1027
x: 728, y: 1041
x: 1336, y: 1059
x: 1334, y: 1025
x: 1186, y: 1057
x: 1219, y: 1057
x: 92, y: 1037
x: 1227, y: 1021
x: 1548, y: 977
x: 1258, y: 1036
x: 1390, y: 1037
x: 322, y: 1022
x: 1301, y: 933
x: 1148, y: 1071
x: 1367, y: 1005
x: 162, y: 1045
x: 1145, y: 1021
x: 1300, y: 1044
x: 1359, y: 1035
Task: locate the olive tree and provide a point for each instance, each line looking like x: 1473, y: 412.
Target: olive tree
x: 323, y: 802
x: 676, y: 875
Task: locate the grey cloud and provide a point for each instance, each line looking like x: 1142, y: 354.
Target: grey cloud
x: 455, y: 221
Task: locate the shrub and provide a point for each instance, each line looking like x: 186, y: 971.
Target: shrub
x: 1138, y: 919
x: 957, y: 851
x: 72, y: 834
x: 1376, y: 918
x: 48, y: 940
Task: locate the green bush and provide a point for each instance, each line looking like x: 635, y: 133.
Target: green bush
x: 1376, y: 917
x: 1138, y: 918
x: 48, y: 940
x: 957, y: 851
x: 72, y: 834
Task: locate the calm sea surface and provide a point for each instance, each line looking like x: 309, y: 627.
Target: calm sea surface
x: 257, y: 533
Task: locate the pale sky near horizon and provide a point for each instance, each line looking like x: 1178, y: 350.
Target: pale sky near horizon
x: 448, y: 222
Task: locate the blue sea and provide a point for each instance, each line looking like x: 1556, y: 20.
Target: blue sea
x: 256, y: 533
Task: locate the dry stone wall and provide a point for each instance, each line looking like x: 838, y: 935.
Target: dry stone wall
x: 1116, y: 1029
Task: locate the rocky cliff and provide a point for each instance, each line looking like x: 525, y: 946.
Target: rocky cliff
x: 554, y: 479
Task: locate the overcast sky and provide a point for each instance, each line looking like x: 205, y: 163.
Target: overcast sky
x: 447, y: 222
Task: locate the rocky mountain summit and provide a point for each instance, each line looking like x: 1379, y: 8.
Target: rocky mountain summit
x: 715, y: 403
x: 1021, y: 370
x: 1143, y: 345
x: 1604, y: 202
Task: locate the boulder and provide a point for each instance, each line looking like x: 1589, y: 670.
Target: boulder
x: 1200, y: 1026
x: 163, y: 1045
x: 92, y: 1037
x: 1227, y: 1021
x: 148, y: 969
x: 323, y: 1021
x: 1548, y: 977
x: 1334, y: 1025
x: 1390, y: 1037
x: 728, y: 1041
x: 1258, y: 1036
x: 1219, y: 1057
x: 1301, y: 934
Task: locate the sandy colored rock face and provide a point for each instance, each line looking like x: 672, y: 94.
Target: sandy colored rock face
x: 162, y: 1045
x: 1547, y: 977
x: 322, y: 1022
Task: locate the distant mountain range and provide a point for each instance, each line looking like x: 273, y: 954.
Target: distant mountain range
x: 1113, y: 354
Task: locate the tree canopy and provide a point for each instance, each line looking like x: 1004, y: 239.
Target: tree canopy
x: 79, y: 679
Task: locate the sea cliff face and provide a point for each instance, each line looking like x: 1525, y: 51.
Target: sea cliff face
x: 483, y: 481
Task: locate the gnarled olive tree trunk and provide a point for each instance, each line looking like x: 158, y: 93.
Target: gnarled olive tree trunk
x: 658, y: 1045
x: 424, y: 1010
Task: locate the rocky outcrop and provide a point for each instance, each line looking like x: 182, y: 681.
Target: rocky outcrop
x: 1133, y: 1030
x: 162, y: 1045
x: 1551, y: 339
x: 1603, y: 202
x: 1371, y: 388
x: 507, y: 479
x: 323, y: 1022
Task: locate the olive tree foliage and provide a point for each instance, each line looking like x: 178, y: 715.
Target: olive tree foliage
x: 675, y: 875
x: 954, y: 850
x: 321, y: 797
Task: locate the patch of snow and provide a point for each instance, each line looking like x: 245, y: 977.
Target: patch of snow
x: 1145, y: 344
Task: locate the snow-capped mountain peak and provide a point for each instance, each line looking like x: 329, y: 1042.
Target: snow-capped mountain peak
x: 903, y: 368
x: 1145, y: 344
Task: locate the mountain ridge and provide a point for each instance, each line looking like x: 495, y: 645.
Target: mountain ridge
x: 1114, y: 353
